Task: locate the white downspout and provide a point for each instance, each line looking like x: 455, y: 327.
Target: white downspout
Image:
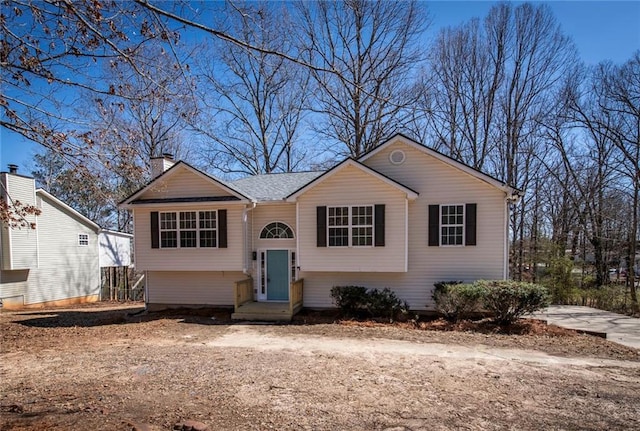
x: 245, y: 233
x: 406, y: 234
x: 505, y: 264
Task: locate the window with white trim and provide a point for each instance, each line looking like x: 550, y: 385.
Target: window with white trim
x: 83, y: 239
x: 350, y: 226
x: 451, y: 224
x: 188, y: 229
x: 208, y: 229
x: 276, y: 230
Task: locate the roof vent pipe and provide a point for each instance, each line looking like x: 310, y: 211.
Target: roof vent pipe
x: 13, y: 169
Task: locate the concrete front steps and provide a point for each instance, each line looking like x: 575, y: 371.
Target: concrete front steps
x: 264, y: 311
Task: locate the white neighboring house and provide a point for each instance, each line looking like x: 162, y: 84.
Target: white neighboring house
x: 57, y: 263
x: 114, y: 248
x: 401, y: 216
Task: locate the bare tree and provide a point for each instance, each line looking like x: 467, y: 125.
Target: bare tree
x: 253, y: 102
x: 588, y: 157
x: 491, y: 88
x: 371, y: 51
x: 467, y: 69
x: 618, y: 98
x: 53, y: 52
x: 83, y: 186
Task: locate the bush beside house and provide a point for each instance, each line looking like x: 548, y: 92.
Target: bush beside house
x: 355, y: 300
x: 504, y: 300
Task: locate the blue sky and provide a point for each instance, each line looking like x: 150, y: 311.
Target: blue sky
x: 602, y: 30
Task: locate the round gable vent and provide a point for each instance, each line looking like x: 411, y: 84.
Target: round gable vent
x: 397, y: 157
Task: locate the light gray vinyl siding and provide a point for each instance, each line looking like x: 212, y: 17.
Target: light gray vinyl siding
x: 192, y: 287
x: 14, y: 284
x: 114, y: 249
x: 19, y: 245
x: 65, y: 270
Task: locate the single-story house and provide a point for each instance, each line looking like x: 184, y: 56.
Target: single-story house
x: 57, y: 263
x: 401, y: 216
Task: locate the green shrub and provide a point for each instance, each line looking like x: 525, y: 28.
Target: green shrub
x: 349, y: 299
x: 353, y: 300
x: 455, y: 300
x: 385, y: 303
x: 509, y: 300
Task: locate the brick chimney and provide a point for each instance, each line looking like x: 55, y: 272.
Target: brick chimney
x: 161, y: 164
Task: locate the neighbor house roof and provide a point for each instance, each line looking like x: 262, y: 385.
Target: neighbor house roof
x: 68, y: 209
x: 274, y: 187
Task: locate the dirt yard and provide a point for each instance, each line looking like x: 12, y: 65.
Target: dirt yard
x: 98, y: 367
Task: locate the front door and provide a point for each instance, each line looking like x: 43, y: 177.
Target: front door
x: 277, y: 275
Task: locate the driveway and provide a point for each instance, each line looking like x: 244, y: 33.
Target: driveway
x: 618, y: 327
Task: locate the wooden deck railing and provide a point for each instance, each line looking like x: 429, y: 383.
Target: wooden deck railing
x: 243, y: 292
x: 295, y: 295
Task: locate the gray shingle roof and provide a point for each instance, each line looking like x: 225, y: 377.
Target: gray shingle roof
x: 273, y: 187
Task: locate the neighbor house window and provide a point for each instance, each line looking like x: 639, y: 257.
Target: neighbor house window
x: 350, y: 226
x: 83, y: 239
x: 188, y: 229
x: 451, y: 224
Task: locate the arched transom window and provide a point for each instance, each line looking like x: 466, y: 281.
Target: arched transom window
x: 276, y: 230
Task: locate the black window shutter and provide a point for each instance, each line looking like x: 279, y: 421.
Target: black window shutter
x: 321, y: 226
x: 434, y: 225
x: 470, y: 224
x: 155, y: 230
x: 379, y: 225
x: 222, y: 228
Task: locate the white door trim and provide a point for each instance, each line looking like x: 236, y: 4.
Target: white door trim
x: 263, y: 271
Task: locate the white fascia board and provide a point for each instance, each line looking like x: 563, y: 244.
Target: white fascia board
x: 116, y: 233
x: 125, y: 204
x: 411, y: 194
x: 205, y: 204
x: 513, y: 192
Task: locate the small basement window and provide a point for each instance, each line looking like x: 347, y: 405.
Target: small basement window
x: 83, y: 239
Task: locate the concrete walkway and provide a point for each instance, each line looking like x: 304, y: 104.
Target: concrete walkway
x: 618, y: 327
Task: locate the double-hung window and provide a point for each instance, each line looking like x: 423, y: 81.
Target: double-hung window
x: 452, y: 224
x: 188, y: 229
x: 168, y: 230
x: 208, y: 225
x: 350, y: 226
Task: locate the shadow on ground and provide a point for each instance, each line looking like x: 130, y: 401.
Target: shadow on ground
x: 201, y: 316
